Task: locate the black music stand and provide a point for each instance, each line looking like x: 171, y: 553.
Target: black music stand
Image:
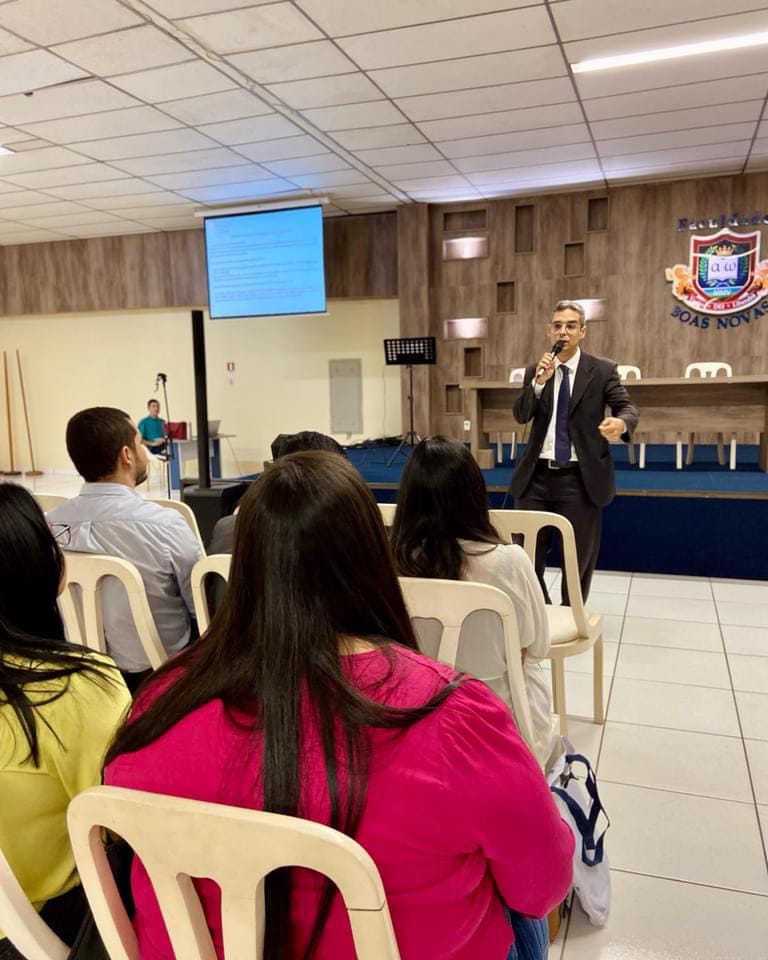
x: 406, y: 352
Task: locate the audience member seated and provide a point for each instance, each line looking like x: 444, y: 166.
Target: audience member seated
x: 223, y: 537
x: 110, y: 517
x: 59, y: 708
x: 310, y: 697
x: 442, y: 529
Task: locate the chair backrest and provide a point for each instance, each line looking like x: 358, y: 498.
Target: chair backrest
x: 86, y: 626
x: 177, y: 839
x: 517, y: 375
x: 451, y: 602
x: 187, y: 512
x: 709, y: 369
x: 22, y: 924
x: 629, y: 372
x: 216, y: 563
x: 388, y: 513
x: 528, y: 523
x: 49, y: 501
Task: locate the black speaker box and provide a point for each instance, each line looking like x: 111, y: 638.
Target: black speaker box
x: 212, y: 503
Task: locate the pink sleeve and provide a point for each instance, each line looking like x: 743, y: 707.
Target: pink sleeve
x: 499, y: 802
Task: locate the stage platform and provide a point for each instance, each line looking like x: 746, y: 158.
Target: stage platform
x: 704, y: 520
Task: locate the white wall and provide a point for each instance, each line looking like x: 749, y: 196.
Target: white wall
x: 280, y: 384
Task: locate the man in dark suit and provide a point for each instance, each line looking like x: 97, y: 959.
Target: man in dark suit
x: 567, y: 466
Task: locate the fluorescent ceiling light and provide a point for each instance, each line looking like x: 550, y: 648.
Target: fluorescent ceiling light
x: 4, y: 150
x: 672, y: 53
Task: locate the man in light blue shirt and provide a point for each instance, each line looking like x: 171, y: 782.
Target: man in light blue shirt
x: 109, y: 517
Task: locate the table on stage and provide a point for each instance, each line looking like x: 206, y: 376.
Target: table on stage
x: 667, y: 405
x: 186, y: 450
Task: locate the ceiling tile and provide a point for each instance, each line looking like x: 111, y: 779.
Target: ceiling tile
x: 8, y: 187
x: 364, y: 16
x: 674, y: 98
x: 118, y: 228
x: 677, y: 171
x: 529, y: 139
x: 340, y: 178
x: 400, y: 134
x: 11, y: 44
x: 113, y: 123
x: 72, y: 219
x: 671, y: 73
x: 254, y: 28
x: 252, y: 128
x: 145, y: 145
x: 571, y: 172
x: 282, y: 149
x: 295, y: 62
x: 43, y: 159
x: 526, y: 158
x: 760, y: 146
x: 426, y: 183
x: 466, y: 72
x: 589, y: 18
x: 107, y: 188
x: 514, y: 29
x: 380, y: 156
x: 46, y: 23
x: 85, y: 173
x: 304, y: 165
x: 175, y: 9
x: 327, y: 91
x: 138, y: 212
x: 214, y: 107
x: 49, y: 208
x: 652, y: 158
x: 383, y: 201
x: 353, y: 190
x: 762, y: 130
x: 9, y: 226
x: 68, y: 100
x: 174, y: 223
x: 376, y: 114
x: 23, y: 72
x: 30, y: 236
x: 430, y: 168
x: 21, y: 198
x: 179, y: 162
x: 679, y: 138
x: 209, y: 178
x: 138, y: 48
x: 32, y: 143
x: 678, y: 120
x: 171, y: 82
x: 240, y: 191
x: 443, y: 194
x: 510, y: 96
x: 530, y: 118
x: 161, y: 198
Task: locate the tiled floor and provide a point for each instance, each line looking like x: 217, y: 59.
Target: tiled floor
x: 682, y: 763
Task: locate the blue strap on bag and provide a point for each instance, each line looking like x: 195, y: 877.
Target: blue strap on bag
x: 586, y: 824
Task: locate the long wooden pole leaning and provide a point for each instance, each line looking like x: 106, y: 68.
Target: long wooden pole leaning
x: 13, y: 472
x: 34, y: 472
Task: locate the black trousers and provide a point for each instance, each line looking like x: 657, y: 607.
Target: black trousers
x: 63, y: 915
x: 563, y: 492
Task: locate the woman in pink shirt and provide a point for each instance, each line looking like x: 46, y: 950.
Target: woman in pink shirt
x: 307, y: 696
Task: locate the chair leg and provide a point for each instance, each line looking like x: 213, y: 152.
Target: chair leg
x: 732, y: 463
x: 642, y: 456
x: 679, y: 452
x: 631, y: 453
x: 558, y: 693
x: 597, y: 681
x: 513, y: 450
x: 499, y: 449
x: 720, y: 450
x: 689, y: 455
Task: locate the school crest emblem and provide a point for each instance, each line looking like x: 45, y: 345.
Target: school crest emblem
x: 724, y: 275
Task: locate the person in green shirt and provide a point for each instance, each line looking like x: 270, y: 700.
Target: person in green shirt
x: 152, y: 429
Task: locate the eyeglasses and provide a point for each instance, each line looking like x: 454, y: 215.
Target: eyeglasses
x: 62, y: 534
x: 572, y: 326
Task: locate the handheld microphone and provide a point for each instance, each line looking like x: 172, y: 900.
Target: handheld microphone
x: 558, y: 348
x: 160, y: 378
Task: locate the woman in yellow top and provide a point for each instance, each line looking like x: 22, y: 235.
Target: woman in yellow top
x: 59, y: 708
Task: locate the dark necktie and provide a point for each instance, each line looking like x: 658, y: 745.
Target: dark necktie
x: 562, y: 433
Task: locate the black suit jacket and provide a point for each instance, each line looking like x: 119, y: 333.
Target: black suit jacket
x: 596, y: 386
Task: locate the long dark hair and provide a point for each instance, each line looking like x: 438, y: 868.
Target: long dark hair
x: 33, y: 647
x: 442, y: 499
x: 311, y: 566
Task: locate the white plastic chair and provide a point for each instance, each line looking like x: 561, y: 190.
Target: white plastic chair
x: 706, y: 369
x: 49, y: 501
x: 22, y: 924
x: 451, y: 602
x: 83, y: 619
x: 388, y: 513
x: 516, y: 375
x: 215, y: 564
x: 572, y: 630
x: 178, y: 839
x: 631, y: 372
x: 157, y: 468
x: 188, y: 513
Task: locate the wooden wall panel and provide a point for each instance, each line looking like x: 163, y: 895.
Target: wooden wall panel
x: 159, y: 270
x: 413, y: 253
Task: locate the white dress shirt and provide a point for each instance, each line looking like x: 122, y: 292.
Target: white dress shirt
x: 548, y: 450
x: 112, y: 518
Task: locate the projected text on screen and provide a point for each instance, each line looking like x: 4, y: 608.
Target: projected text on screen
x: 265, y: 264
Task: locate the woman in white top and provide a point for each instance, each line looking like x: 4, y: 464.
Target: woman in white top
x: 442, y: 529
